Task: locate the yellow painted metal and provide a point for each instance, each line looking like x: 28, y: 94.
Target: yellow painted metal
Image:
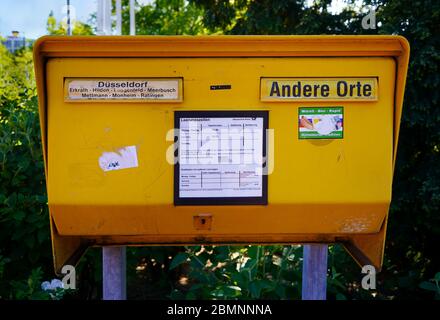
x: 320, y: 191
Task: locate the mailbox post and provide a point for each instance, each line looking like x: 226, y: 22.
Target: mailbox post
x: 114, y: 286
x: 220, y: 140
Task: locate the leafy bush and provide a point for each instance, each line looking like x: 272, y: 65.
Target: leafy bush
x: 30, y: 288
x: 432, y: 285
x: 24, y: 227
x: 249, y: 272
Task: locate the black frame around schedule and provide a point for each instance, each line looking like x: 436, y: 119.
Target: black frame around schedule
x: 261, y: 200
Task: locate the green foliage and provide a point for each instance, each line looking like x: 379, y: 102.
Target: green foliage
x: 432, y: 285
x: 59, y: 28
x: 30, y: 288
x: 164, y: 17
x: 149, y: 275
x: 273, y: 17
x: 249, y: 272
x: 178, y: 259
x: 24, y: 220
x: 24, y: 228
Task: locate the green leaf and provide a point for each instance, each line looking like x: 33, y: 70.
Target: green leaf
x: 196, y: 287
x: 240, y: 278
x: 428, y: 286
x: 337, y: 283
x: 19, y: 215
x: 255, y: 289
x: 253, y: 252
x: 235, y: 288
x: 180, y: 258
x: 29, y: 241
x: 280, y: 290
x: 42, y: 235
x: 225, y: 292
x: 34, y: 217
x: 19, y: 233
x: 176, y: 295
x: 340, y: 296
x: 191, y: 296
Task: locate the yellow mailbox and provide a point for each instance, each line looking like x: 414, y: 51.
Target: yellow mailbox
x: 220, y: 140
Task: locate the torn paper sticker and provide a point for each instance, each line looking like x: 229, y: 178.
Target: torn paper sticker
x: 123, y: 158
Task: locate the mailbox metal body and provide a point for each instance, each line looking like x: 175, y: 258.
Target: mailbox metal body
x: 329, y: 191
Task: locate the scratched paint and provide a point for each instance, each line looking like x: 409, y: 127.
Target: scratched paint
x: 355, y: 225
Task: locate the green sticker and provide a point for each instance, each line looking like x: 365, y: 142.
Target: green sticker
x: 321, y: 123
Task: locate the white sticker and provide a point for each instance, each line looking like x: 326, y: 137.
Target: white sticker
x: 123, y: 158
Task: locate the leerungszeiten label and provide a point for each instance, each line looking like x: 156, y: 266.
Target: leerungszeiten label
x: 221, y: 157
x: 169, y: 89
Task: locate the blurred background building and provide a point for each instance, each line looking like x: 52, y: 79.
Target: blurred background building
x: 15, y: 42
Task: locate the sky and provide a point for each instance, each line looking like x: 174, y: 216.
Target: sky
x: 29, y: 17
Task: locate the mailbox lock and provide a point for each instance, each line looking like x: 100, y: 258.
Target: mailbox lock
x: 202, y: 221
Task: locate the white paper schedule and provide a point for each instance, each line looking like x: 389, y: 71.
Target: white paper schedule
x: 220, y: 157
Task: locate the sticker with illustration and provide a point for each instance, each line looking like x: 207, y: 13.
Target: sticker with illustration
x: 321, y: 123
